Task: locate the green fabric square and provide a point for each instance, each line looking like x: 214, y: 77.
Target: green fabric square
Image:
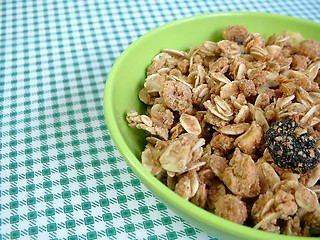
x: 135, y: 182
x: 98, y: 175
x: 29, y: 175
x: 107, y: 217
x: 61, y: 156
x: 139, y: 195
x: 32, y: 215
x: 129, y: 228
x: 28, y: 151
x: 86, y: 119
x: 118, y: 185
x: 190, y: 231
x: 27, y: 129
x: 13, y: 190
x: 48, y: 197
x: 14, y: 204
x: 13, y: 165
x: 28, y: 140
x: 28, y: 163
x: 101, y: 117
x: 42, y: 117
x: 47, y: 184
x: 13, y: 178
x: 73, y: 132
x: 51, y: 227
x: 115, y: 172
x: 70, y: 223
x: 109, y: 148
x: 14, y: 219
x: 13, y: 114
x: 171, y: 235
x: 50, y: 212
x: 68, y: 209
x: 122, y: 199
x: 83, y: 191
x: 64, y: 181
x: 91, y: 140
x: 27, y: 120
x: 31, y: 200
x: 43, y: 137
x: 95, y: 163
x: 66, y: 194
x: 12, y: 132
x: 143, y: 210
x: 33, y: 230
x: 125, y: 213
x: 69, y: 104
x: 104, y: 202
x: 148, y: 224
x: 46, y: 172
x: 79, y: 166
x: 112, y: 160
x: 13, y: 143
x: 42, y: 127
x: 13, y: 154
x: 75, y: 143
x: 59, y: 145
x: 91, y: 235
x: 73, y: 237
x: 86, y: 205
x: 88, y: 129
x: 161, y: 206
x: 55, y: 114
x: 15, y: 234
x: 44, y: 148
x: 105, y: 138
x: 93, y: 151
x: 44, y: 159
x: 88, y: 220
x: 30, y: 187
x: 70, y: 112
x: 62, y: 169
x: 81, y: 178
x: 111, y: 231
x: 154, y: 237
x: 166, y: 220
x: 101, y: 188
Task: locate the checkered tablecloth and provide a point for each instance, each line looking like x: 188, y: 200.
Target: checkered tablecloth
x: 61, y: 175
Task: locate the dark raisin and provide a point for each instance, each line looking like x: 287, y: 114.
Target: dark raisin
x: 291, y: 147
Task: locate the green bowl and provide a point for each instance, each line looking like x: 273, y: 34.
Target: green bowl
x: 127, y: 76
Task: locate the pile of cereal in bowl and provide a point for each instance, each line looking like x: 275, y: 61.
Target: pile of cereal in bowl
x: 233, y: 127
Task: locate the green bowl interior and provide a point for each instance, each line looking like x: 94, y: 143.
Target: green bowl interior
x: 127, y: 77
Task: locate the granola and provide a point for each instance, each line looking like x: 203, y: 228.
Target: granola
x: 218, y: 128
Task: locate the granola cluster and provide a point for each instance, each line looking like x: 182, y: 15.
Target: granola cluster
x: 208, y: 112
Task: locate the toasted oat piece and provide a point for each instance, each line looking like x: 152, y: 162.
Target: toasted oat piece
x: 242, y: 183
x: 235, y: 33
x: 251, y: 139
x: 235, y: 129
x: 232, y: 208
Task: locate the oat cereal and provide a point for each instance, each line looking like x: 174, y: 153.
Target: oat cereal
x: 233, y: 127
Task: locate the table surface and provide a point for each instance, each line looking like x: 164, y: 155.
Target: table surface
x: 61, y: 175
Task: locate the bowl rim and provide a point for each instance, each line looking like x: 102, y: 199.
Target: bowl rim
x: 201, y: 215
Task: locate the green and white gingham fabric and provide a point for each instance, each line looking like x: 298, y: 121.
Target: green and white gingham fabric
x: 61, y: 175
